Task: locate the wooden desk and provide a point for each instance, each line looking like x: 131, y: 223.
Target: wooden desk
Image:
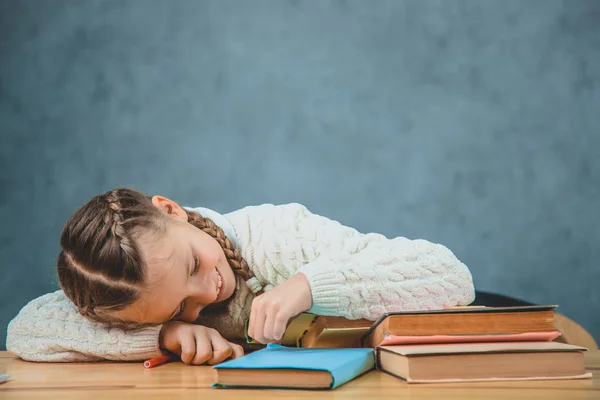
x: 175, y: 380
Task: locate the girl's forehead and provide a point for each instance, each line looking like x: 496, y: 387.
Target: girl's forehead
x: 161, y: 257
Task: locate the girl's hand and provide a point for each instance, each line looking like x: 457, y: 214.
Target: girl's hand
x: 197, y: 344
x: 272, y: 310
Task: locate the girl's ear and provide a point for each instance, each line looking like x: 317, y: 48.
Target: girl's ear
x: 169, y: 207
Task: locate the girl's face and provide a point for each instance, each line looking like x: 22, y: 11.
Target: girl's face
x: 186, y: 270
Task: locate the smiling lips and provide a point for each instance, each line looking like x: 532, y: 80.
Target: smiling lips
x: 219, y: 282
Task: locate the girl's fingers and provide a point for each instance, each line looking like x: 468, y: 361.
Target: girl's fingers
x: 238, y: 351
x: 258, y: 322
x: 204, y: 349
x: 253, y: 311
x: 221, y: 350
x: 188, y: 348
x: 268, y: 328
x: 279, y: 326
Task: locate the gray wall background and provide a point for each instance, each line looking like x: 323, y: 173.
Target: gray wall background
x: 470, y: 123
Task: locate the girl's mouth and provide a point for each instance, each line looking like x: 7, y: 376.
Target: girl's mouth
x: 219, y: 283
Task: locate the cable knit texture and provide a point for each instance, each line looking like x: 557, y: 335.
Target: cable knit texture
x: 351, y: 274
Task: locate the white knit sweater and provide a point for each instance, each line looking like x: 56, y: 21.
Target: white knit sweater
x: 351, y: 274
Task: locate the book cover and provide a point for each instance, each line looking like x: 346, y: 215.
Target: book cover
x: 519, y: 318
x: 389, y: 340
x: 342, y: 364
x: 471, y: 362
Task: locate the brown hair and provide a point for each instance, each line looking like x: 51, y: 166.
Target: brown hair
x: 100, y: 267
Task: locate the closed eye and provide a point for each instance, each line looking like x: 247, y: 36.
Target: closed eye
x: 196, y: 266
x: 195, y: 270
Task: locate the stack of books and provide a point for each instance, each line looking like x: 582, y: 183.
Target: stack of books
x: 474, y: 344
x: 460, y: 344
x: 453, y: 345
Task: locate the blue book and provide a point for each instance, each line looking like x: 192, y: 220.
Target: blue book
x: 294, y: 368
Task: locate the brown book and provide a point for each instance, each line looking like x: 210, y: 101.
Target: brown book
x: 462, y: 321
x: 314, y: 331
x: 334, y: 332
x: 431, y: 363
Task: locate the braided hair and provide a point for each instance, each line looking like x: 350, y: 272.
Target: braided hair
x: 100, y: 267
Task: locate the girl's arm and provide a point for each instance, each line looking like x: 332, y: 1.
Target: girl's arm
x: 364, y: 276
x: 386, y: 276
x: 51, y: 329
x: 351, y: 274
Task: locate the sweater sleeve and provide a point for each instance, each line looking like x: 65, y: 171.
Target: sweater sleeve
x: 51, y: 329
x: 358, y: 275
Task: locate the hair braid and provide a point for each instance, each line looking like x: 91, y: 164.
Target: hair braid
x: 235, y: 259
x: 101, y: 268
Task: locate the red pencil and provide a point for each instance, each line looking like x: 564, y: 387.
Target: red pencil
x: 160, y: 360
